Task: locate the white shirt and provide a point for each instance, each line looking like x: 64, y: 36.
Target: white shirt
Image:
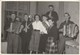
x: 39, y: 26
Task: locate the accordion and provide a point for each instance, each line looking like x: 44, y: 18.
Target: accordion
x: 70, y: 30
x: 16, y: 27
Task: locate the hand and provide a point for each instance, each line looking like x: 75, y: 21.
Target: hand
x: 61, y: 30
x: 9, y: 30
x: 25, y: 29
x: 41, y: 33
x: 52, y: 44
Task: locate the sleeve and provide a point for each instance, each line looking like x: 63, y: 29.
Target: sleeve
x: 56, y: 16
x: 76, y: 31
x: 61, y: 26
x: 42, y: 28
x: 33, y: 25
x: 47, y: 13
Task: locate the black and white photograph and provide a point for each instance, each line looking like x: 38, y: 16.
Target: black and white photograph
x: 39, y: 27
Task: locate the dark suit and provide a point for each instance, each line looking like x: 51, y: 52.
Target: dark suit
x: 54, y: 15
x: 25, y: 37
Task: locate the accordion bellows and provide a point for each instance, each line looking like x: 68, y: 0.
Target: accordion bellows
x: 69, y: 30
x: 16, y: 27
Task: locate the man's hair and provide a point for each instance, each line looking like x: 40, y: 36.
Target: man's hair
x: 50, y: 6
x: 25, y: 14
x: 68, y: 14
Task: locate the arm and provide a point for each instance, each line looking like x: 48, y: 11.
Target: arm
x: 76, y: 31
x: 10, y: 28
x: 21, y: 27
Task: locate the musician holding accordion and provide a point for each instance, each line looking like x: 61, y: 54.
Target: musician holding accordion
x: 13, y: 35
x: 68, y: 31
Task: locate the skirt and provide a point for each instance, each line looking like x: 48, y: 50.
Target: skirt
x: 51, y: 47
x: 43, y: 42
x: 34, y: 42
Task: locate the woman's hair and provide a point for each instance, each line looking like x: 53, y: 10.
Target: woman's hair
x: 36, y: 15
x: 44, y: 16
x: 68, y: 14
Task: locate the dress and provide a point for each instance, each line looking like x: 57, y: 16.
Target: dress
x: 43, y: 38
x: 35, y: 38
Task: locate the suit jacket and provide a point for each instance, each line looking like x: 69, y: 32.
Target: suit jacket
x: 54, y: 15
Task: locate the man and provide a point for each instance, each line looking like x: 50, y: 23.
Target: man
x: 68, y: 31
x: 52, y: 14
x: 13, y: 37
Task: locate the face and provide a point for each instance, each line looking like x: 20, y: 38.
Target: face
x: 26, y: 17
x: 51, y: 8
x: 50, y: 22
x: 66, y: 17
x: 13, y: 16
x: 44, y: 18
x: 37, y: 18
x: 17, y: 19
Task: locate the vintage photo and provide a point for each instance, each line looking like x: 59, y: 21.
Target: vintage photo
x: 39, y: 27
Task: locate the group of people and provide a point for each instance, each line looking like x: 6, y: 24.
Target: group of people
x: 40, y: 34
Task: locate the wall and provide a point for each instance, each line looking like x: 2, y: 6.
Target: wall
x: 73, y: 9
x: 33, y: 8
x: 43, y: 7
x: 61, y: 8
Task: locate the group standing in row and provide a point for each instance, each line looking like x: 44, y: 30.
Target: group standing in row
x: 40, y: 35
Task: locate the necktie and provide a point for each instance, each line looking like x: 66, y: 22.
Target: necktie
x: 50, y: 15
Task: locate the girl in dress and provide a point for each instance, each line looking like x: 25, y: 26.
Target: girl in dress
x: 43, y: 38
x: 38, y: 29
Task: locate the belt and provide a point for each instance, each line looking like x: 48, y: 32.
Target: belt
x: 36, y: 30
x: 14, y: 33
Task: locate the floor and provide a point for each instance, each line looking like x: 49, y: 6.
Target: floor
x: 3, y: 47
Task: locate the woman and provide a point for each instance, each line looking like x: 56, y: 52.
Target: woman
x: 43, y: 38
x: 52, y: 43
x: 13, y: 35
x: 25, y: 34
x: 38, y: 29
